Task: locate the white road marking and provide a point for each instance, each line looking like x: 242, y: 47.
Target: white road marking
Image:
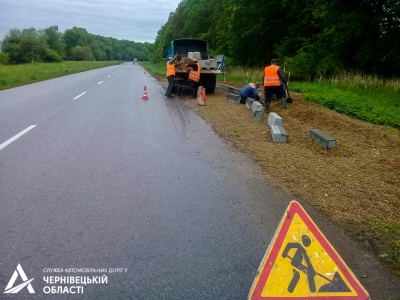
x: 80, y: 95
x: 8, y: 142
x: 100, y: 82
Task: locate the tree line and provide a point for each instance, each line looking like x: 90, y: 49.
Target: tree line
x: 310, y: 37
x: 50, y: 45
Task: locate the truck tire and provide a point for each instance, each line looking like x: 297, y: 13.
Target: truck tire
x: 209, y: 83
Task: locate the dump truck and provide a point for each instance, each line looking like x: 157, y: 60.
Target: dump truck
x: 188, y: 49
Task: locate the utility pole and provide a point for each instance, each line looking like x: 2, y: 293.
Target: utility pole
x: 33, y: 47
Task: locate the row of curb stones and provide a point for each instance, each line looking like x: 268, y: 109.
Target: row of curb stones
x: 278, y: 132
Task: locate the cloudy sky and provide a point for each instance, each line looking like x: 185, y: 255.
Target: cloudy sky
x: 134, y: 20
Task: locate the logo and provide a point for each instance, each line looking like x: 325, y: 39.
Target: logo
x: 26, y: 282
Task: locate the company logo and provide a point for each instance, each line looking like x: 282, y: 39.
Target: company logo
x: 26, y: 282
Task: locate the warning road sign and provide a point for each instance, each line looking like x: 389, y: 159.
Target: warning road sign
x: 300, y: 263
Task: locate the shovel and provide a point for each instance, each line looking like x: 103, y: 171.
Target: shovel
x: 288, y: 99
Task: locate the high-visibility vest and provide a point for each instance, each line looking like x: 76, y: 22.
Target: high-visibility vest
x: 271, y: 77
x: 195, y: 75
x: 170, y: 69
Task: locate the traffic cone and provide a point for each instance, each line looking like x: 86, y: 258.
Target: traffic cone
x: 145, y: 94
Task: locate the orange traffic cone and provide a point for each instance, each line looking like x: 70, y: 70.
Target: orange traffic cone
x: 145, y: 94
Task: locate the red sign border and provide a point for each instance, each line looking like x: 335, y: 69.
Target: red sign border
x: 272, y: 253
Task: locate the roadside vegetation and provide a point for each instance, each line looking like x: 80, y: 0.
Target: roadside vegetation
x: 29, y: 45
x: 376, y: 104
x: 365, y: 97
x: 312, y: 38
x: 155, y: 69
x: 17, y: 75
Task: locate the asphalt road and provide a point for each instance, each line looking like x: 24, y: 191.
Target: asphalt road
x: 96, y: 181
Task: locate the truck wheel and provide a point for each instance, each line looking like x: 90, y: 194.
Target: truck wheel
x: 209, y: 83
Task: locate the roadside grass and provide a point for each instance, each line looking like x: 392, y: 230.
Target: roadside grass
x: 365, y: 97
x: 155, y: 69
x: 17, y: 75
x: 238, y: 130
x: 241, y: 75
x: 378, y: 105
x: 390, y: 232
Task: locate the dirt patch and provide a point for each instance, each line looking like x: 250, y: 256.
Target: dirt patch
x: 354, y: 184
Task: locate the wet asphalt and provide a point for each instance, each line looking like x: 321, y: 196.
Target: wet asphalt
x: 141, y: 191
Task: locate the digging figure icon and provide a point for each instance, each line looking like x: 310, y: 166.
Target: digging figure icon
x: 336, y: 284
x: 297, y: 262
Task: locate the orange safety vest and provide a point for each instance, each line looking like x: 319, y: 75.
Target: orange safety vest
x: 170, y: 69
x: 271, y: 77
x: 195, y: 75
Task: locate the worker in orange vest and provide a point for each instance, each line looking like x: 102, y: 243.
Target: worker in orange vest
x: 274, y: 83
x: 170, y: 75
x: 194, y: 77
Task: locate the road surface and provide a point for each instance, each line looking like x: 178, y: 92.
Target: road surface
x: 140, y: 196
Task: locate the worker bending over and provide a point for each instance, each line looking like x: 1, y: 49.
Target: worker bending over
x: 249, y: 90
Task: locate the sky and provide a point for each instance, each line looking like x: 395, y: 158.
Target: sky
x: 133, y: 20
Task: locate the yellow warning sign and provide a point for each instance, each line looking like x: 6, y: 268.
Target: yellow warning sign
x: 300, y: 263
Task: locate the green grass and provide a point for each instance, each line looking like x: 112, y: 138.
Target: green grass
x: 17, y: 75
x: 238, y: 130
x: 155, y: 69
x: 241, y: 75
x: 389, y: 232
x: 378, y: 105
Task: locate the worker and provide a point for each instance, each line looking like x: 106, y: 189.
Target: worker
x: 274, y: 83
x: 170, y: 75
x: 249, y: 90
x: 194, y: 77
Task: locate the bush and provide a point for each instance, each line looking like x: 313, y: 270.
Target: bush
x: 53, y: 56
x: 82, y: 53
x: 301, y: 66
x: 3, y: 58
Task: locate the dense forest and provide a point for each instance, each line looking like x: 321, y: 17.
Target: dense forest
x: 50, y: 45
x: 311, y: 37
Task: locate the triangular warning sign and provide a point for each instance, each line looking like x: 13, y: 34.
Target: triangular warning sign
x: 300, y: 263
